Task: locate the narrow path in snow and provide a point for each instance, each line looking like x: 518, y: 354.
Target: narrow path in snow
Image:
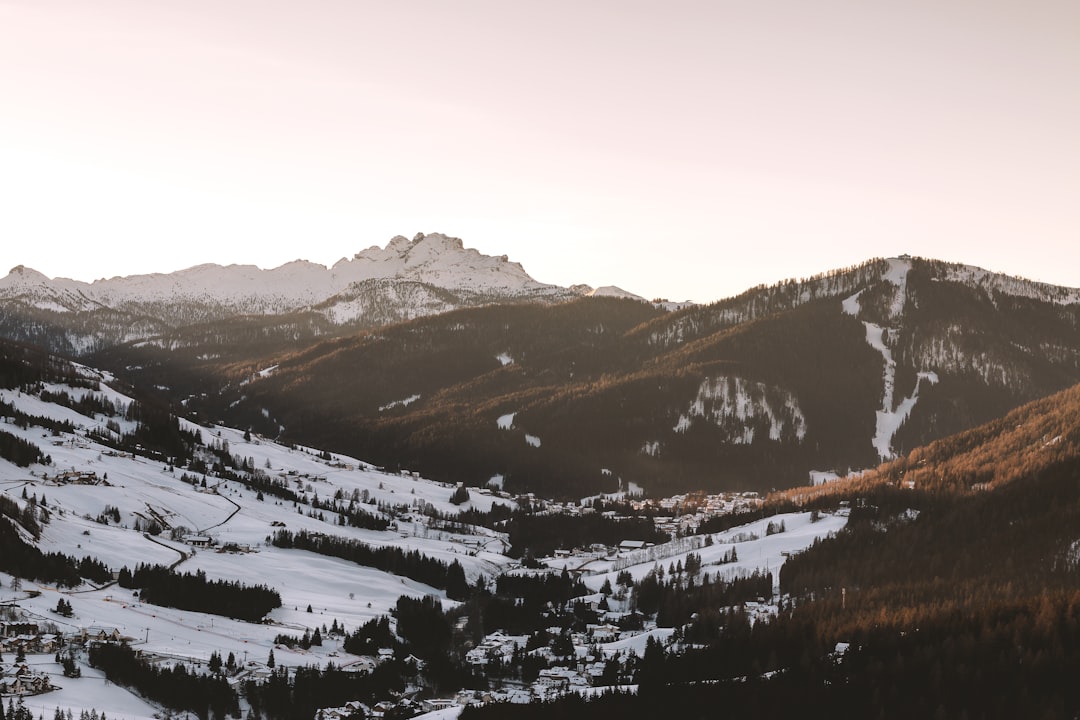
x: 231, y: 515
x: 183, y: 555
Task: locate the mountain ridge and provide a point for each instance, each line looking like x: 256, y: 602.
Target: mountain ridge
x: 209, y: 292
x: 833, y: 373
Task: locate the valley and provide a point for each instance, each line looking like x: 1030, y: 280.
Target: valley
x: 822, y: 491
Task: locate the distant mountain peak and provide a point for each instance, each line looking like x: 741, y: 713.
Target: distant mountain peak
x: 20, y: 274
x: 429, y: 274
x: 615, y: 292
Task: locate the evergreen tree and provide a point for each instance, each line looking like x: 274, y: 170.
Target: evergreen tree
x: 457, y: 587
x: 215, y: 662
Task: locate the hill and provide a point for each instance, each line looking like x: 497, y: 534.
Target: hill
x: 554, y: 390
x: 952, y: 591
x: 831, y: 373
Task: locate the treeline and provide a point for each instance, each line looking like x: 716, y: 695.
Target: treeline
x: 555, y: 588
x: 369, y: 637
x: 412, y: 564
x: 540, y: 535
x: 996, y: 660
x: 88, y: 404
x: 23, y: 560
x: 161, y: 586
x: 425, y: 631
x: 680, y: 599
x: 26, y: 516
x: 281, y: 698
x: 175, y: 687
x: 916, y: 547
x: 26, y: 366
x: 19, y: 451
x: 24, y: 420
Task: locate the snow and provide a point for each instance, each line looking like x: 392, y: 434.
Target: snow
x: 532, y: 441
x: 994, y: 283
x: 891, y: 415
x: 637, y: 643
x: 897, y: 275
x: 405, y: 402
x: 450, y: 713
x: 89, y: 692
x: 504, y: 359
x: 727, y: 399
x: 615, y: 292
x: 851, y: 304
x: 822, y: 477
x: 433, y: 259
x: 756, y: 550
x: 506, y: 422
x: 230, y: 513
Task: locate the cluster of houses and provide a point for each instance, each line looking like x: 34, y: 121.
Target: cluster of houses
x: 17, y: 639
x: 22, y: 638
x: 75, y: 477
x: 692, y: 509
x: 19, y: 679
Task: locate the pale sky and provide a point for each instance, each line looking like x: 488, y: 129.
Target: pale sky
x: 677, y: 149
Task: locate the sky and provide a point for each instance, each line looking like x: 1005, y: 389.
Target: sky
x: 680, y: 149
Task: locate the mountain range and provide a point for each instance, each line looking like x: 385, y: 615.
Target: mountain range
x: 426, y: 356
x: 427, y: 275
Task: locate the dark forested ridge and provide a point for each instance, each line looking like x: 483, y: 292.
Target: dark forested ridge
x: 748, y: 392
x: 612, y: 389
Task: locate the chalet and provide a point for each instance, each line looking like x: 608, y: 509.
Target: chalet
x: 605, y: 633
x: 199, y: 540
x: 631, y: 545
x: 353, y: 709
x: 381, y: 709
x: 101, y: 635
x: 76, y: 477
x: 26, y: 683
x: 557, y: 680
x: 433, y: 704
x: 47, y: 643
x: 495, y: 645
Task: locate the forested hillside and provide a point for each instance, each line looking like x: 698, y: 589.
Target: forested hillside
x: 832, y: 373
x: 953, y: 591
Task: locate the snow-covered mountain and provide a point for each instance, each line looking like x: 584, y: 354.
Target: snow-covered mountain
x: 831, y: 373
x: 427, y: 275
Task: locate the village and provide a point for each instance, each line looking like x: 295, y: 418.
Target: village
x: 24, y: 637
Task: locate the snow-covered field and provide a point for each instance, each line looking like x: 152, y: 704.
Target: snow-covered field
x: 756, y: 550
x: 141, y: 490
x: 83, y: 521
